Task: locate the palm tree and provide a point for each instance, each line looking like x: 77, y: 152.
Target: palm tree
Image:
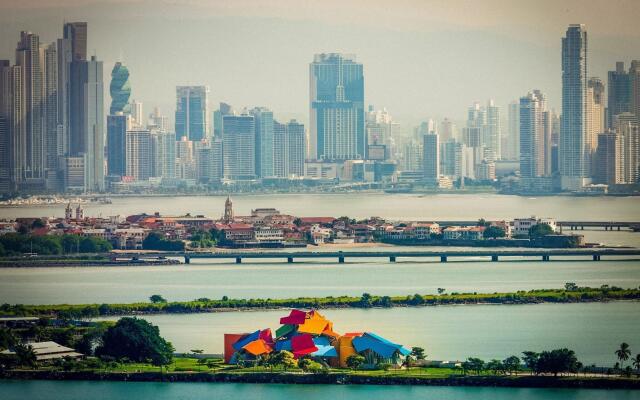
x: 623, y: 353
x: 636, y: 362
x: 25, y: 355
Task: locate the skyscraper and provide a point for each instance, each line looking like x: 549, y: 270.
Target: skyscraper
x: 138, y: 154
x: 52, y: 148
x: 619, y: 100
x: 120, y: 89
x: 76, y: 33
x: 238, y: 135
x: 608, y: 160
x: 296, y: 145
x: 595, y: 117
x: 431, y: 158
x: 264, y: 141
x: 534, y: 136
x: 136, y: 113
x: 117, y: 144
x: 163, y: 148
x: 336, y: 108
x: 12, y: 112
x: 491, y: 131
x: 512, y: 149
x: 574, y: 144
x: 290, y: 144
x: 86, y: 117
x: 29, y: 59
x: 192, y: 115
x: 634, y: 81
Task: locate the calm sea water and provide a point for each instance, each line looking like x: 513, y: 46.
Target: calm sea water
x: 266, y: 279
x: 398, y: 206
x: 69, y: 390
x: 593, y: 331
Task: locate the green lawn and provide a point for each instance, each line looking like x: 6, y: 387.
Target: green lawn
x: 192, y: 365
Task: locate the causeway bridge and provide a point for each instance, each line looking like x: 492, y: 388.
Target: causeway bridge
x: 570, y: 225
x: 393, y: 256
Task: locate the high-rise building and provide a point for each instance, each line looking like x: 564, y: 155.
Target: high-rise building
x: 608, y: 159
x: 120, y: 89
x: 238, y: 135
x: 185, y: 159
x: 619, y: 100
x: 535, y: 137
x: 280, y: 154
x: 431, y: 158
x: 209, y: 161
x: 627, y: 127
x: 138, y: 154
x: 64, y: 89
x: 192, y: 115
x: 117, y: 144
x: 163, y: 149
x: 6, y: 99
x: 634, y: 81
x: 483, y: 130
x: 491, y: 131
x: 574, y: 143
x: 51, y: 110
x: 136, y: 113
x: 13, y: 106
x: 86, y: 117
x: 158, y: 121
x: 76, y: 33
x: 447, y: 130
x: 451, y: 153
x: 336, y: 108
x: 264, y: 145
x: 595, y: 111
x: 295, y: 146
x: 28, y: 57
x: 511, y: 149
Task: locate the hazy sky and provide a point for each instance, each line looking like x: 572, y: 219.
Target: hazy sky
x: 421, y: 58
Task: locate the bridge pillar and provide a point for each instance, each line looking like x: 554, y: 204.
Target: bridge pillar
x: 545, y: 258
x: 289, y: 260
x: 443, y: 258
x: 582, y: 228
x: 187, y: 260
x: 494, y: 257
x: 618, y: 227
x: 596, y: 257
x: 238, y: 260
x: 341, y: 259
x: 392, y: 259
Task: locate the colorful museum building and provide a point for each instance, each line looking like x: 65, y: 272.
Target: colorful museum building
x: 309, y: 333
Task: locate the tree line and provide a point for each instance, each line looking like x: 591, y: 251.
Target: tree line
x: 15, y: 244
x: 158, y: 304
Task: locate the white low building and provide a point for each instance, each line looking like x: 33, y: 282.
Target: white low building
x: 521, y: 226
x: 268, y: 234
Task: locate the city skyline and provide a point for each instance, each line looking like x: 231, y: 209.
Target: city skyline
x: 54, y: 118
x: 495, y: 45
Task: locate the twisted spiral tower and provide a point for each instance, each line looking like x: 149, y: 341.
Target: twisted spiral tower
x: 120, y: 89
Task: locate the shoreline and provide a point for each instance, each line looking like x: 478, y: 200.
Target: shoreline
x: 541, y: 296
x: 574, y: 382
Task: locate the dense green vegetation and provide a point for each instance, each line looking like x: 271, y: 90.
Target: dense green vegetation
x: 155, y: 241
x: 18, y: 243
x: 136, y: 340
x: 570, y: 294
